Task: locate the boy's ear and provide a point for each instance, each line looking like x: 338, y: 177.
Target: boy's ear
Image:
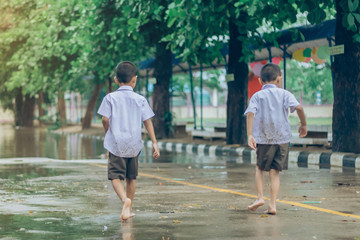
x: 279, y: 81
x: 116, y: 81
x: 134, y: 78
x: 261, y: 82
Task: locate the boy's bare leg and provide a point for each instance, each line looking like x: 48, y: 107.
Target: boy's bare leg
x: 259, y: 181
x: 130, y: 192
x: 120, y: 191
x: 275, y: 186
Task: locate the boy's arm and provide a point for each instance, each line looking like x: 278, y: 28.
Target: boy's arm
x: 150, y: 129
x: 249, y: 127
x: 302, y: 129
x: 105, y: 123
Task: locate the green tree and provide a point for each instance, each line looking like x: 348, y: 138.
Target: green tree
x: 103, y: 31
x: 346, y: 108
x: 200, y: 32
x: 346, y: 68
x: 147, y: 22
x: 200, y: 24
x: 14, y: 18
x: 43, y: 59
x: 346, y: 111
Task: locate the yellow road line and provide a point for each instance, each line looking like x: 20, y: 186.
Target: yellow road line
x: 241, y: 194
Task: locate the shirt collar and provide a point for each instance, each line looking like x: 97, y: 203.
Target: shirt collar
x: 265, y: 86
x: 125, y: 88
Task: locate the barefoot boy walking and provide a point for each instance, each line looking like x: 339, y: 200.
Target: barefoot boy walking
x: 269, y: 132
x: 123, y: 112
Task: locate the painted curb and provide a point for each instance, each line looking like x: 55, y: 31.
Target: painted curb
x: 323, y: 160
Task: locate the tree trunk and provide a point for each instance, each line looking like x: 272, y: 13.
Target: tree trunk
x: 110, y: 81
x: 61, y: 109
x: 41, y: 110
x: 18, y: 107
x: 28, y: 111
x: 346, y: 110
x: 161, y: 96
x: 237, y: 90
x: 86, y: 123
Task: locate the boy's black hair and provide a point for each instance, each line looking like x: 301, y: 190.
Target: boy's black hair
x: 270, y: 72
x: 125, y: 71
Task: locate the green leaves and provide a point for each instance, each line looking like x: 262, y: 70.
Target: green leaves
x: 353, y: 5
x: 351, y: 16
x: 316, y: 16
x: 350, y: 19
x: 56, y: 43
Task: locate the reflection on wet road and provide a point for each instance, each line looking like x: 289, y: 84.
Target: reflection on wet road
x: 179, y: 196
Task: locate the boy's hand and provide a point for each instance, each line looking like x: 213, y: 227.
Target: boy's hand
x: 252, y: 142
x: 302, y: 131
x: 156, y: 153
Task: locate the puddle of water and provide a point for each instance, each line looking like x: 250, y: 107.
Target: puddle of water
x: 46, y: 226
x: 27, y: 171
x: 192, y: 160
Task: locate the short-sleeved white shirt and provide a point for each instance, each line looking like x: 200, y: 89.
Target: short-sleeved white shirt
x: 270, y: 106
x: 126, y: 110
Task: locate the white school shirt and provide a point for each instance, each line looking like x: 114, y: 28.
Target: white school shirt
x: 270, y: 106
x: 126, y: 110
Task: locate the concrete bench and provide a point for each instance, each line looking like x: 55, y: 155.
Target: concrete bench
x: 315, y: 131
x: 309, y: 141
x: 208, y: 134
x: 179, y: 128
x: 320, y: 135
x: 218, y: 127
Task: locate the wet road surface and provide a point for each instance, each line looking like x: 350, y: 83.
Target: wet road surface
x: 179, y: 196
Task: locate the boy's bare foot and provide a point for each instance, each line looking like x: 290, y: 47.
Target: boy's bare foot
x: 255, y: 205
x: 125, y: 214
x: 271, y: 211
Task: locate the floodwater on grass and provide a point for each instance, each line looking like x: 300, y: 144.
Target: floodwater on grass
x: 38, y: 142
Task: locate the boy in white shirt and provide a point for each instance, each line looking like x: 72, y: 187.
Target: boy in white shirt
x: 123, y: 112
x: 269, y: 132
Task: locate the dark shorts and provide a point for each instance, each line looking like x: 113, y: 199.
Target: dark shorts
x: 272, y: 156
x: 121, y: 168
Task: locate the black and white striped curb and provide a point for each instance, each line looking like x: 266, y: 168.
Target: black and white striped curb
x: 247, y: 155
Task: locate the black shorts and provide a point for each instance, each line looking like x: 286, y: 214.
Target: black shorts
x: 121, y: 167
x: 272, y: 156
